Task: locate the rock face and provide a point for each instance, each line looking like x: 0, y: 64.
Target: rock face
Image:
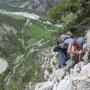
x: 39, y: 5
x: 5, y: 28
x: 88, y: 39
x: 75, y: 81
x: 85, y: 70
x: 49, y: 61
x: 45, y: 86
x: 77, y: 78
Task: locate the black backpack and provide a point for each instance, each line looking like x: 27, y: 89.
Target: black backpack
x: 60, y: 42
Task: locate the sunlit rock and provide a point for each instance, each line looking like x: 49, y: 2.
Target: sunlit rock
x: 3, y: 65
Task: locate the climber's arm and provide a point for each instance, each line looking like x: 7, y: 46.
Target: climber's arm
x: 72, y: 51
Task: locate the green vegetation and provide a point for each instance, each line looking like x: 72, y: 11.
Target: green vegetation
x: 12, y: 20
x: 13, y: 45
x: 55, y: 13
x: 29, y: 69
x: 73, y: 14
x: 38, y: 31
x: 15, y: 3
x: 16, y: 17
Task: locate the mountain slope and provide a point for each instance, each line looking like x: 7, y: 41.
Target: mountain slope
x: 21, y: 43
x: 38, y: 5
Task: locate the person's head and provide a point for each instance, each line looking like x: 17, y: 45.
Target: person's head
x: 81, y: 40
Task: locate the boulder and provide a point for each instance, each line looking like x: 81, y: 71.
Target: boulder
x: 46, y: 75
x: 39, y: 5
x: 62, y: 85
x: 58, y: 75
x: 45, y: 86
x: 75, y: 82
x: 88, y: 38
x: 3, y: 65
x: 78, y: 67
x: 78, y: 82
x: 86, y: 70
x: 86, y: 57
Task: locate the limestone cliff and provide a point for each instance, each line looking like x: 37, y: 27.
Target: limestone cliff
x: 39, y: 5
x: 77, y: 78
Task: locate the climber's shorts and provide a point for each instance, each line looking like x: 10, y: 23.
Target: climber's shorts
x: 63, y: 58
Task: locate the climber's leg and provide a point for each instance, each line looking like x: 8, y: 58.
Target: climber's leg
x: 61, y: 60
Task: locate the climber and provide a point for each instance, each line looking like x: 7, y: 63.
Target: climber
x: 75, y: 49
x: 68, y: 48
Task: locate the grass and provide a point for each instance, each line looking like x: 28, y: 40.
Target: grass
x: 16, y: 17
x: 14, y: 21
x: 38, y: 31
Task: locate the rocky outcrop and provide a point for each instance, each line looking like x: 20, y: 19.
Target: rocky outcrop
x: 76, y: 82
x: 49, y: 61
x: 3, y: 65
x: 61, y: 81
x: 77, y: 78
x: 5, y: 32
x: 88, y: 39
x: 39, y: 5
x: 9, y: 35
x: 5, y: 28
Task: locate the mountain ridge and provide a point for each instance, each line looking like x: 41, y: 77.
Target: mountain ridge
x: 37, y: 5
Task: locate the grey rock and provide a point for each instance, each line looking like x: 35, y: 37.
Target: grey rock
x: 57, y: 75
x: 84, y: 84
x: 39, y: 5
x: 86, y: 70
x: 74, y: 82
x: 86, y: 57
x: 78, y: 67
x: 78, y: 78
x: 44, y: 86
x: 88, y: 39
x: 30, y: 87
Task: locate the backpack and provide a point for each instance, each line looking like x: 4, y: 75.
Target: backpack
x: 63, y: 37
x: 61, y: 46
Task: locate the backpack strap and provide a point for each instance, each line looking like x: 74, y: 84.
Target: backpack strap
x: 60, y: 47
x: 67, y: 38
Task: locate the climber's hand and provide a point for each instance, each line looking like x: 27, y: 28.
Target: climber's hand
x: 80, y: 52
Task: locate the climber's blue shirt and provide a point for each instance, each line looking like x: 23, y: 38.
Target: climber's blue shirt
x: 69, y: 41
x: 63, y: 57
